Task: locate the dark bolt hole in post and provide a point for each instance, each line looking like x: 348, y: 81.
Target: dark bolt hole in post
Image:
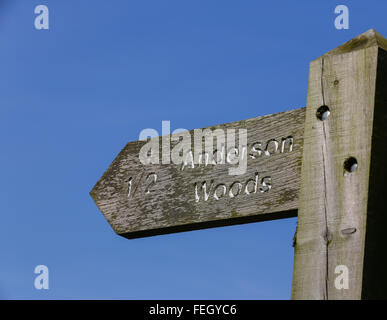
x: 350, y: 165
x: 323, y: 113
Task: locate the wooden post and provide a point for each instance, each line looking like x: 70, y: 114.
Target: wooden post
x: 342, y: 212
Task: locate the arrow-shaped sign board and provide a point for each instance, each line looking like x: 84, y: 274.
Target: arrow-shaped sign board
x: 222, y: 180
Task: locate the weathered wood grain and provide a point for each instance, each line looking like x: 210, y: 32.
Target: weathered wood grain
x: 171, y: 206
x: 342, y: 219
x: 342, y: 216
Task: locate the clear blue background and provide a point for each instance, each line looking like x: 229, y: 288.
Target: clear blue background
x: 73, y: 96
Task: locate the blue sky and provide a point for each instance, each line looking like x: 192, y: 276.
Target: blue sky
x: 74, y: 95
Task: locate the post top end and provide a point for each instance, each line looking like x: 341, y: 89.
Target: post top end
x: 367, y: 39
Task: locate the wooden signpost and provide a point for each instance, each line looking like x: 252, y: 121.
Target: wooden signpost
x: 325, y: 163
